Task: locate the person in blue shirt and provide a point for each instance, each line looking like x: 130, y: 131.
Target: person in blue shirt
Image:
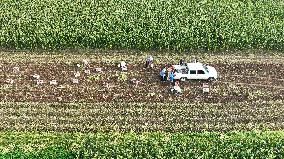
x: 171, y: 76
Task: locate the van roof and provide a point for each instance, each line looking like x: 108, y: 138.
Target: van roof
x: 197, y: 65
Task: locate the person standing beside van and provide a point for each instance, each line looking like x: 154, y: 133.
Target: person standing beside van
x: 163, y: 74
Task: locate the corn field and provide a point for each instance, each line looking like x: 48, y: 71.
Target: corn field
x: 146, y: 145
x: 143, y: 24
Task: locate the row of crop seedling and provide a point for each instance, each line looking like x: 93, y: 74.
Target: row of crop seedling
x: 74, y: 79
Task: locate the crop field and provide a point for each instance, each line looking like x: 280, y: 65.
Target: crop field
x: 248, y: 95
x: 252, y: 144
x: 62, y: 94
x: 145, y: 24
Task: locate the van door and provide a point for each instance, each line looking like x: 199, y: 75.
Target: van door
x: 192, y: 74
x: 201, y: 74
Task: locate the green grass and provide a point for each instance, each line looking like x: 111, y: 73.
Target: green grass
x: 144, y: 24
x: 253, y: 144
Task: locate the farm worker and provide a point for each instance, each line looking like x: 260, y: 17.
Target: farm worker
x: 171, y: 76
x: 181, y: 62
x: 123, y: 66
x: 169, y: 70
x: 135, y: 81
x: 163, y: 74
x: 176, y: 83
x: 195, y: 60
x: 149, y: 61
x: 177, y: 89
x: 86, y: 62
x: 166, y: 73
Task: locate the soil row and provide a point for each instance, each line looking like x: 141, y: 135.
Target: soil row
x: 258, y: 82
x: 141, y: 117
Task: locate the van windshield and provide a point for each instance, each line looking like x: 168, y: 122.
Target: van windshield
x: 206, y: 68
x: 177, y: 70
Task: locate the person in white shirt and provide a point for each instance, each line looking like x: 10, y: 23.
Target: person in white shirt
x: 177, y: 88
x: 123, y: 66
x: 149, y: 61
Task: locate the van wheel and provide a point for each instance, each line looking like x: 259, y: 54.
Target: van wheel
x: 210, y: 79
x: 183, y: 79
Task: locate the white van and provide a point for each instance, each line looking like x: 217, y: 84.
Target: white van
x: 195, y: 71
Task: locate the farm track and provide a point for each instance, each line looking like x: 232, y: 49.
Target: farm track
x: 246, y: 96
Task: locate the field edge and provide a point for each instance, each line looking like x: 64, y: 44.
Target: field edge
x: 267, y: 144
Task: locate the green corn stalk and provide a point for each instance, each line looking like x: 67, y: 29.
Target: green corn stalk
x: 173, y: 24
